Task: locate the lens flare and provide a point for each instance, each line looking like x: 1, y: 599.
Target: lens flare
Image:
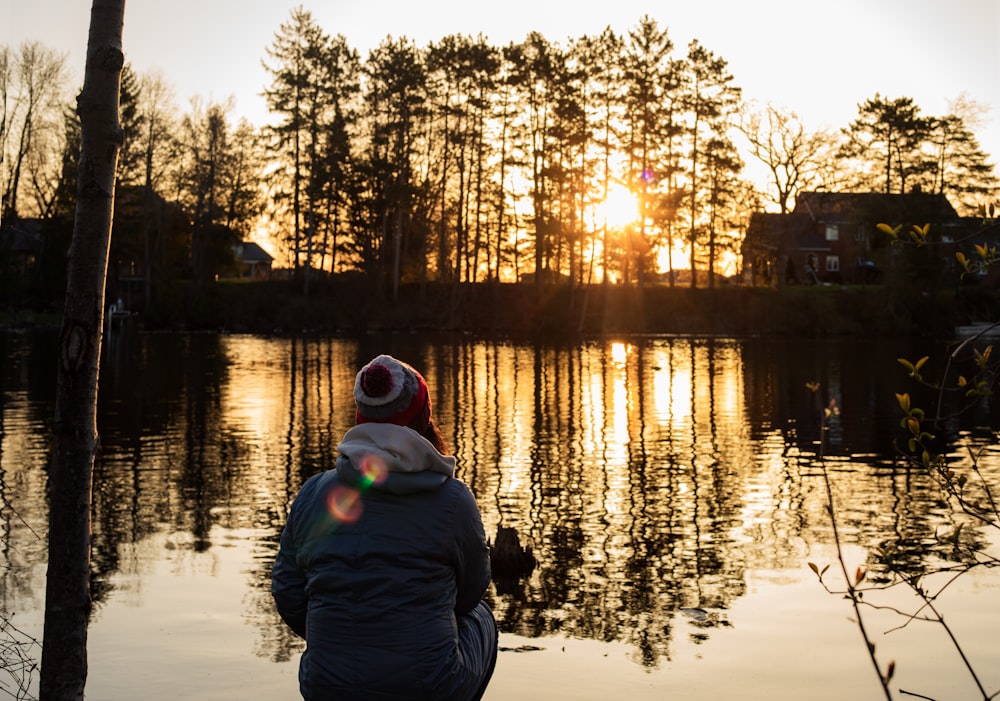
x: 344, y: 504
x: 373, y: 471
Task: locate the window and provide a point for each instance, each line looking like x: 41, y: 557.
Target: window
x: 832, y: 232
x: 859, y: 233
x: 832, y: 264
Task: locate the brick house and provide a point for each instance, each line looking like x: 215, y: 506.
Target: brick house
x: 832, y: 238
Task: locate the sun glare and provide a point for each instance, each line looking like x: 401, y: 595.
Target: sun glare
x: 620, y: 207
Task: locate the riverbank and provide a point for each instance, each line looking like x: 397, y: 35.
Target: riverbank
x: 562, y: 311
x: 553, y: 311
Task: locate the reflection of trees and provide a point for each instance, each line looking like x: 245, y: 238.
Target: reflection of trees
x: 628, y: 517
x: 158, y: 424
x: 648, y: 478
x: 23, y: 462
x: 893, y: 508
x: 201, y: 432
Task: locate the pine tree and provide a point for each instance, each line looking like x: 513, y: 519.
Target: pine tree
x: 712, y: 100
x: 533, y: 66
x: 395, y: 111
x: 961, y: 170
x: 313, y: 77
x: 649, y: 80
x: 888, y: 135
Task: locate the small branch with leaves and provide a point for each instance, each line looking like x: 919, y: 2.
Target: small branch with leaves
x: 853, y: 593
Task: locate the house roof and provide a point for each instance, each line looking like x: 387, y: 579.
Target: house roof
x: 23, y: 235
x: 253, y: 253
x: 913, y: 207
x: 803, y: 229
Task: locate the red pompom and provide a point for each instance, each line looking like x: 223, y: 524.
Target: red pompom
x: 376, y: 380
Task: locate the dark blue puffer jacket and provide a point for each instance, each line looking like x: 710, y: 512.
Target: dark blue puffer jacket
x: 378, y: 558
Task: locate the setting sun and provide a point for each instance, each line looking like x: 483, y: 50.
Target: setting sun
x: 620, y: 207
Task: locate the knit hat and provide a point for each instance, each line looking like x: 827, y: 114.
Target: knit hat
x: 387, y: 390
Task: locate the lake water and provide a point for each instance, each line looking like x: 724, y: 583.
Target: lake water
x: 672, y: 490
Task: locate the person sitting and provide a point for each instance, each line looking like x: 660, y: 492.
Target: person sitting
x: 383, y: 561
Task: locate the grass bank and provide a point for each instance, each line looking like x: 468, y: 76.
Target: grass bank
x: 556, y: 311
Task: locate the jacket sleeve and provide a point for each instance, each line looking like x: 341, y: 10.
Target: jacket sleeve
x: 288, y: 582
x: 473, y: 571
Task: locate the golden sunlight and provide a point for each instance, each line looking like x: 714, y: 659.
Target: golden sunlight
x: 620, y: 207
x: 619, y: 353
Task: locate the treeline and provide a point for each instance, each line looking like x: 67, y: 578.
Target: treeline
x: 465, y: 162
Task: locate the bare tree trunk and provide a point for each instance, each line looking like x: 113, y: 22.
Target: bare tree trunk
x: 67, y: 593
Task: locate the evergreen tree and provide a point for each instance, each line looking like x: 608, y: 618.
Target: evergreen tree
x: 961, y: 170
x: 64, y: 202
x: 602, y: 60
x: 395, y: 111
x: 712, y: 101
x: 335, y: 154
x: 130, y: 161
x: 889, y: 135
x: 648, y: 74
x: 723, y: 190
x: 460, y: 75
x: 533, y: 66
x: 300, y: 95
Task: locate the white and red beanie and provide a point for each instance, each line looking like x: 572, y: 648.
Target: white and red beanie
x: 387, y: 390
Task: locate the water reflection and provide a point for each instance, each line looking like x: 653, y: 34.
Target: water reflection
x: 648, y: 476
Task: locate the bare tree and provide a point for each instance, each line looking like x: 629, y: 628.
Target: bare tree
x: 67, y: 592
x: 791, y: 155
x: 31, y: 84
x: 156, y: 108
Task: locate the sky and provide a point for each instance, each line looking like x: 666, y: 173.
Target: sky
x: 820, y: 60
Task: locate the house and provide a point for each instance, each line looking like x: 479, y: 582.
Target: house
x: 252, y: 261
x: 833, y: 238
x: 20, y: 245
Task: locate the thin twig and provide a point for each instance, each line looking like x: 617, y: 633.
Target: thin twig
x: 928, y: 601
x: 851, y: 590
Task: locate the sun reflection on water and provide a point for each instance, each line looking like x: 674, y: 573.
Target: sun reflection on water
x: 668, y: 487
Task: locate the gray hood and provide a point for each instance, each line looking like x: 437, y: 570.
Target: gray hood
x: 392, y: 458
